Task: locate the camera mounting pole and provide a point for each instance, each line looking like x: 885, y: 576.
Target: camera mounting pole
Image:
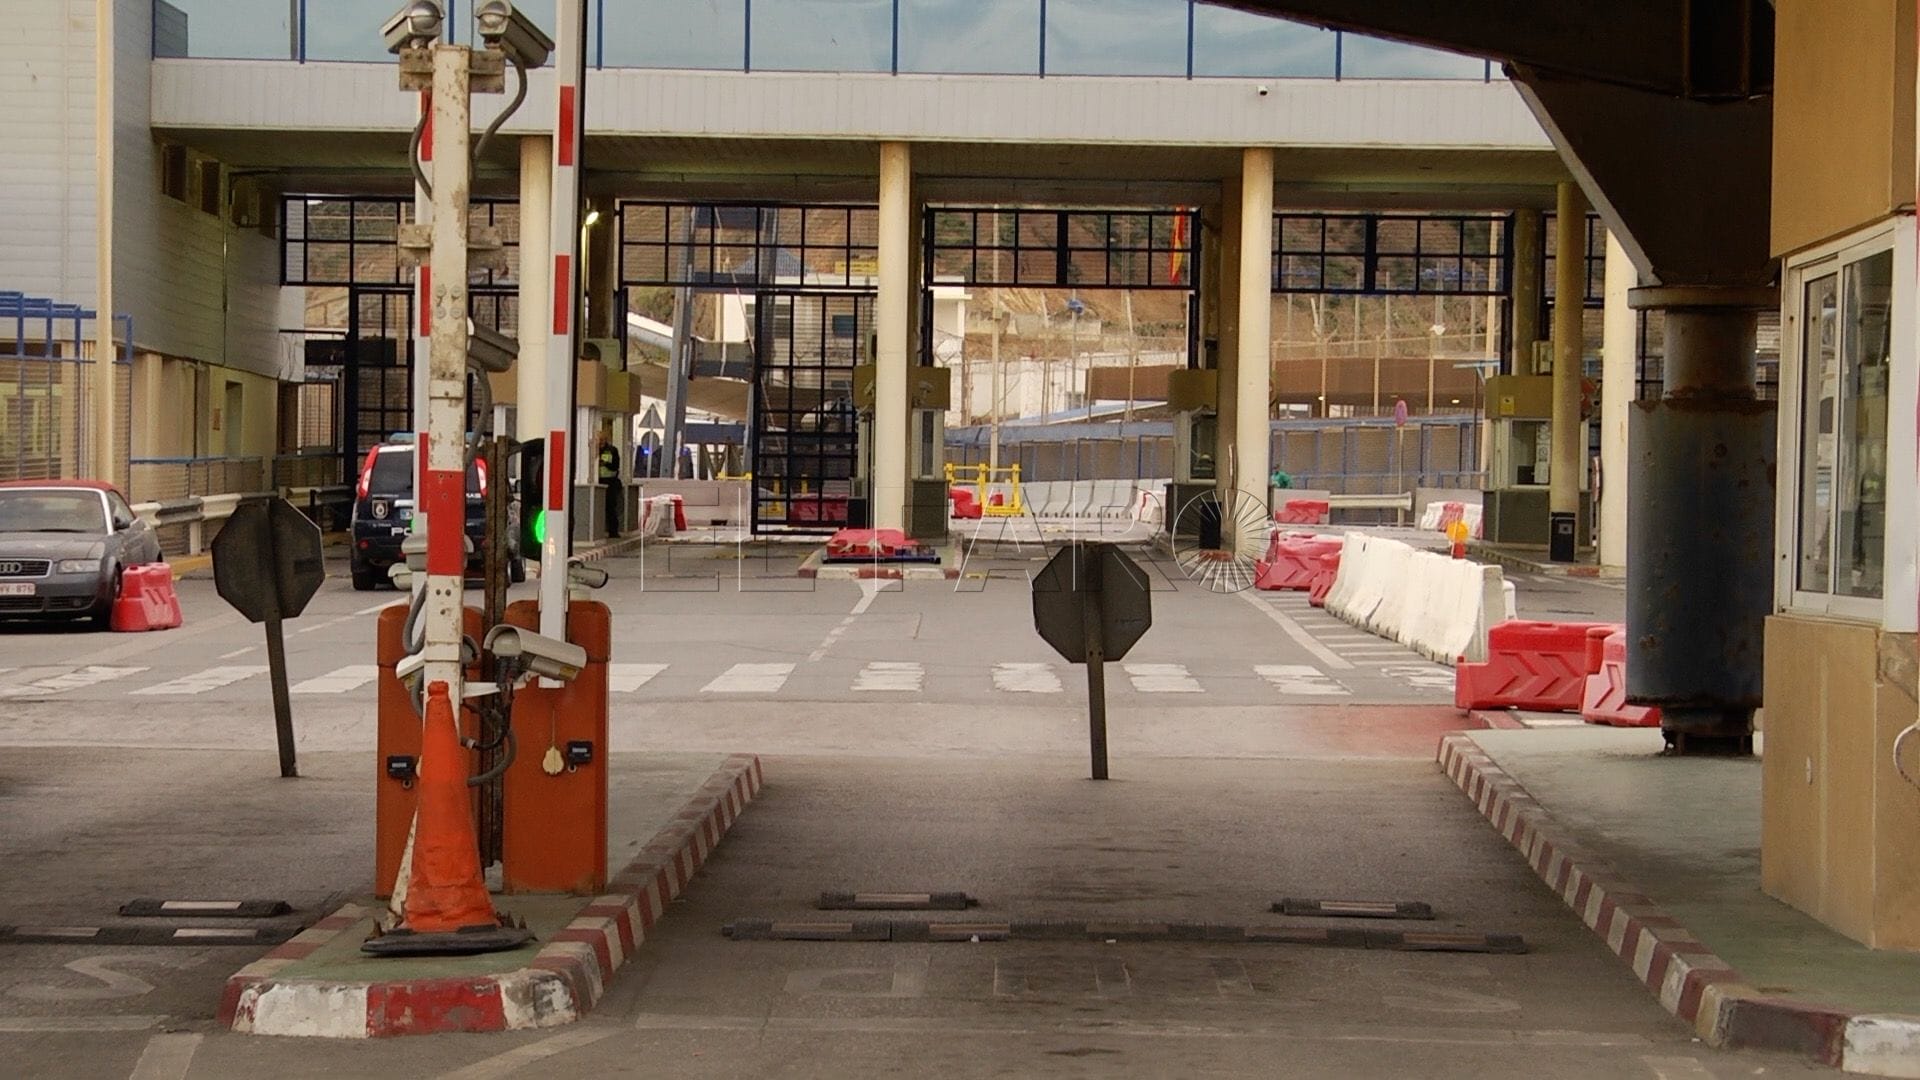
x: 569, y: 59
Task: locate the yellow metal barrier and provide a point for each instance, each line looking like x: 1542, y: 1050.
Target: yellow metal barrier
x: 1003, y: 482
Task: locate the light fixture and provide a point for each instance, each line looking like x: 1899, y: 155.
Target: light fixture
x: 593, y: 217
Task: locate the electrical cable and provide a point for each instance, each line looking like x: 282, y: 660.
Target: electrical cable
x: 519, y: 98
x: 413, y: 156
x: 1899, y: 764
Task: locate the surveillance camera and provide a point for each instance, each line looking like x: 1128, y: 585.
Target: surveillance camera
x: 1262, y: 90
x: 415, y: 26
x: 491, y: 349
x: 591, y: 577
x: 401, y: 575
x: 543, y: 656
x: 503, y: 27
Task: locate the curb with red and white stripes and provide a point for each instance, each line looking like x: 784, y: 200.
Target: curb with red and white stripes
x: 562, y: 982
x: 1689, y: 979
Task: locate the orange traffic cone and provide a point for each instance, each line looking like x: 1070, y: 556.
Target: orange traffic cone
x: 448, y: 911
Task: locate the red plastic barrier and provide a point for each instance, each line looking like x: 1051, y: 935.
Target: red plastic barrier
x: 1292, y: 561
x: 867, y: 544
x: 1323, y: 580
x: 147, y: 600
x: 965, y: 506
x: 1605, y: 700
x: 1302, y: 512
x: 1530, y: 665
x: 1451, y: 512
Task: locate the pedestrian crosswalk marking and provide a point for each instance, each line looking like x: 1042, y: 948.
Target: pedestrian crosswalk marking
x: 72, y: 680
x: 1024, y: 678
x: 1422, y: 676
x: 1162, y: 679
x: 1303, y: 679
x: 750, y: 679
x: 626, y: 678
x: 886, y: 676
x: 338, y: 681
x: 202, y: 681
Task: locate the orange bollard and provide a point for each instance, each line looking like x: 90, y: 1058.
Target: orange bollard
x: 553, y: 835
x: 447, y: 909
x: 1457, y: 532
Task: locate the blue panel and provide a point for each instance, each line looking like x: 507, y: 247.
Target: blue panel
x: 710, y: 34
x: 1229, y: 42
x: 1116, y: 37
x: 224, y: 29
x: 822, y: 35
x: 347, y: 29
x: 1375, y: 58
x: 971, y: 37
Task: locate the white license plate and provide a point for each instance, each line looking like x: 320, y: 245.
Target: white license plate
x: 24, y: 588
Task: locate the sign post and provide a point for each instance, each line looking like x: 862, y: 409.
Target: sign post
x: 1091, y: 603
x: 267, y: 563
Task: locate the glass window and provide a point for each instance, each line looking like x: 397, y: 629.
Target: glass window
x: 1363, y: 57
x: 822, y: 35
x: 344, y: 29
x: 224, y: 30
x: 709, y: 34
x: 1845, y: 356
x: 1228, y: 42
x: 1116, y: 37
x: 970, y: 37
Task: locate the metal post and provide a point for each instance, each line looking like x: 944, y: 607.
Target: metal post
x: 1569, y: 333
x: 282, y: 706
x: 1619, y: 361
x: 422, y: 346
x: 443, y: 489
x: 1092, y: 628
x: 1527, y: 270
x: 998, y: 378
x: 569, y: 58
x: 536, y: 288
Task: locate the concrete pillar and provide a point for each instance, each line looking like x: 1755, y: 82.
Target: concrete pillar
x: 893, y: 312
x: 536, y: 283
x: 1227, y: 323
x: 103, y: 403
x: 1619, y: 379
x: 1569, y: 318
x: 602, y: 257
x: 1529, y: 258
x: 1253, y: 431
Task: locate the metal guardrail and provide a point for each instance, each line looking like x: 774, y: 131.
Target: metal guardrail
x: 196, y: 512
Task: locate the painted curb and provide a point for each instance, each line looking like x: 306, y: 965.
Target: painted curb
x: 562, y: 983
x: 1689, y: 980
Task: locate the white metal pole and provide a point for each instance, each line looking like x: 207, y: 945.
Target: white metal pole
x: 536, y: 288
x: 443, y: 489
x: 422, y: 342
x: 569, y: 56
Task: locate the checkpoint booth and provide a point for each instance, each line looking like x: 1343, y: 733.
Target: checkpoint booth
x: 1520, y: 423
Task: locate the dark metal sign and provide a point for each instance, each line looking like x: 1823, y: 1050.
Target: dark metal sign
x: 1091, y: 603
x: 267, y: 563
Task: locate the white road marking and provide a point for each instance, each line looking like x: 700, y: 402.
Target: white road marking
x: 200, y: 682
x: 505, y: 1064
x: 1551, y: 721
x: 1677, y: 1068
x: 244, y: 650
x: 1300, y: 679
x: 72, y: 680
x: 1162, y: 679
x: 626, y: 678
x: 13, y: 1024
x: 890, y: 676
x: 1297, y: 632
x: 1019, y: 678
x: 1422, y: 676
x: 376, y: 607
x: 311, y: 627
x: 750, y: 679
x: 167, y: 1057
x: 113, y: 984
x: 338, y: 681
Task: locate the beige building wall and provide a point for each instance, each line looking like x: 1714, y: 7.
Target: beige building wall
x: 1838, y: 821
x: 1843, y: 129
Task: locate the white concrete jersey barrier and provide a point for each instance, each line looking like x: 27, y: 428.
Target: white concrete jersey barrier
x: 1139, y: 500
x: 657, y: 515
x: 1439, y: 607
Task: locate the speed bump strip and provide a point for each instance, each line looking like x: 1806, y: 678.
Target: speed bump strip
x: 1354, y: 909
x: 895, y: 901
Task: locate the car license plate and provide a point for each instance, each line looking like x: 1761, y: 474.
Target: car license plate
x: 24, y: 588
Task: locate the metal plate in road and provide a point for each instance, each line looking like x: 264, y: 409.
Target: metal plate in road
x: 267, y: 560
x: 1080, y: 576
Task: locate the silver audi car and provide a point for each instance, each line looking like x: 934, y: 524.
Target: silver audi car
x: 63, y: 544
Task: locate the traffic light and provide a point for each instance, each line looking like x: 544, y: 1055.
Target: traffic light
x: 533, y: 498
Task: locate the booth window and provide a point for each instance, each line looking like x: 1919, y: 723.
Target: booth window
x: 1846, y: 350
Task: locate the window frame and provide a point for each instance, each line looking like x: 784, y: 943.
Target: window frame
x: 1895, y: 607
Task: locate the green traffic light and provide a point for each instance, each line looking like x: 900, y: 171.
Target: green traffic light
x: 540, y: 527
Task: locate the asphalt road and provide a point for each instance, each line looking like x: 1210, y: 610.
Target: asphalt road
x: 916, y: 737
